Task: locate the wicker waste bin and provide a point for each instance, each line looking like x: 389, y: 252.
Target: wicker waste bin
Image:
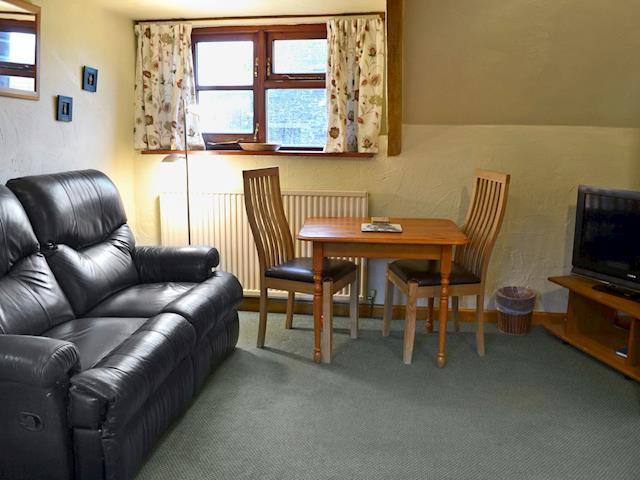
x: 515, y: 308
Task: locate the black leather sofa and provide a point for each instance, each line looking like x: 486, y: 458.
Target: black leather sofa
x: 102, y: 343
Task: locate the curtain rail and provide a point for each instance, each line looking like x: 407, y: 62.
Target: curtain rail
x: 260, y: 17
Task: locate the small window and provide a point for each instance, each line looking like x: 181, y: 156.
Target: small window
x: 227, y: 111
x: 299, y: 56
x: 262, y: 83
x: 225, y: 63
x: 17, y: 54
x: 18, y: 83
x: 297, y: 117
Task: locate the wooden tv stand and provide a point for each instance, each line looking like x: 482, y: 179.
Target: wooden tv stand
x: 592, y: 324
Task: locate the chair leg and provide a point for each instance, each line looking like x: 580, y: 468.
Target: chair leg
x: 410, y: 323
x: 353, y: 306
x: 262, y: 325
x: 290, y: 301
x: 429, y: 324
x: 480, y: 325
x: 456, y: 313
x: 327, y: 321
x: 388, y: 307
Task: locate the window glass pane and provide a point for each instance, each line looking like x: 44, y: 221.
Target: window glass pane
x: 297, y: 116
x: 300, y: 56
x: 226, y: 111
x: 225, y: 63
x: 18, y: 83
x: 18, y: 47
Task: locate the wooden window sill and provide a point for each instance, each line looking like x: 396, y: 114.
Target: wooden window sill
x: 281, y: 153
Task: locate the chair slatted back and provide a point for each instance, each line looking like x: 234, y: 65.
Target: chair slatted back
x: 265, y: 210
x: 483, y: 222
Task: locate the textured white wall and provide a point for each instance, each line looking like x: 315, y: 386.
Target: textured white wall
x: 467, y: 62
x: 76, y: 33
x: 544, y: 90
x: 432, y: 178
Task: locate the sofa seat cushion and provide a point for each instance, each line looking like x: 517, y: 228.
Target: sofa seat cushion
x: 301, y: 270
x: 142, y: 300
x: 206, y: 304
x: 202, y: 304
x: 427, y: 272
x: 95, y: 337
x: 108, y: 395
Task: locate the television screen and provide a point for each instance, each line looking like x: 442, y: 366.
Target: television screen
x: 607, y: 235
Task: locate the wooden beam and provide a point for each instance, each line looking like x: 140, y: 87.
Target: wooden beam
x: 395, y: 11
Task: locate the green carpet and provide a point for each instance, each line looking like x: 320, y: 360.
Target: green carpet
x: 533, y: 408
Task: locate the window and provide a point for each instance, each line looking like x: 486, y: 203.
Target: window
x: 266, y: 83
x: 17, y: 54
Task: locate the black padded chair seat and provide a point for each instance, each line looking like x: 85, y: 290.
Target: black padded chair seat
x: 427, y: 272
x: 300, y: 270
x: 95, y: 338
x: 143, y: 300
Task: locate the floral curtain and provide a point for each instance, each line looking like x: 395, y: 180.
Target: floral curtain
x: 355, y: 78
x: 164, y: 88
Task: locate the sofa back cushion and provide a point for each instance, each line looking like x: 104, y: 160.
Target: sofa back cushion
x: 31, y: 300
x: 79, y: 219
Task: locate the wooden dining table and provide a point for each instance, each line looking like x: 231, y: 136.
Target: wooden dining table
x: 421, y: 238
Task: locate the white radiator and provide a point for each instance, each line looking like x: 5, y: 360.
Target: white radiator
x: 220, y: 220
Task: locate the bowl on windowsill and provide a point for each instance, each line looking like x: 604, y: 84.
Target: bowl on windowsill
x: 259, y: 147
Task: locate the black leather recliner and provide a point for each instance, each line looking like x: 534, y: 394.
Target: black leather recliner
x: 102, y: 343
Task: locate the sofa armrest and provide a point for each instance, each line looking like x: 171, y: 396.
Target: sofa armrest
x: 107, y: 395
x: 175, y: 264
x: 35, y: 438
x: 37, y: 361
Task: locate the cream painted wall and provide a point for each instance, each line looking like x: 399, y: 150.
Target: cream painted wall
x: 579, y: 139
x: 432, y: 179
x: 566, y: 65
x: 525, y: 62
x: 76, y: 33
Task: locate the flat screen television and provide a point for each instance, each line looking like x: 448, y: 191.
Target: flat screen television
x: 607, y: 237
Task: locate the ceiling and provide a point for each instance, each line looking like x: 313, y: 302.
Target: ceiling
x: 152, y: 9
x: 7, y: 7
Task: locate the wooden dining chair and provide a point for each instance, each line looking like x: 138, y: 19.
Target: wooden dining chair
x: 279, y: 269
x: 421, y: 278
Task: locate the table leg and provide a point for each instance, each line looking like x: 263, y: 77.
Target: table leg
x: 445, y: 272
x: 326, y: 345
x: 318, y: 254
